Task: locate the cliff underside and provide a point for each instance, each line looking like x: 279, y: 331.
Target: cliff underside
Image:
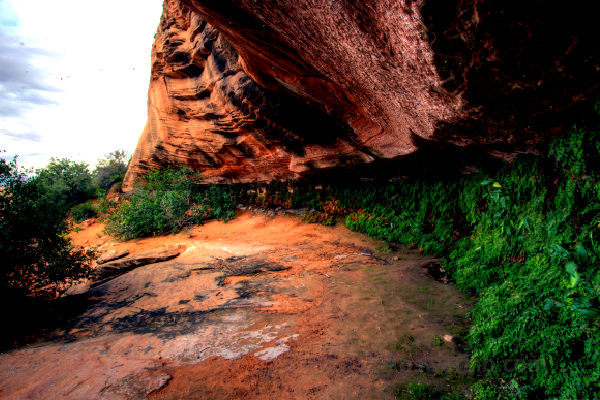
x: 248, y: 91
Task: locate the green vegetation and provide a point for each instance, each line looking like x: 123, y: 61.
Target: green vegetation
x: 34, y: 246
x: 111, y: 169
x: 437, y: 341
x: 83, y: 211
x: 323, y: 218
x: 424, y: 391
x: 523, y: 238
x: 167, y: 201
x: 66, y: 181
x: 35, y: 249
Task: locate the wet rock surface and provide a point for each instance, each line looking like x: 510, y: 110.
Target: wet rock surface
x: 257, y: 308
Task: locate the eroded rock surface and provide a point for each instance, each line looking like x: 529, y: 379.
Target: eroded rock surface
x: 112, y: 255
x: 252, y: 91
x: 265, y: 310
x: 109, y: 270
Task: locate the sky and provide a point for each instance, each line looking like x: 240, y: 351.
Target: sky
x: 74, y: 77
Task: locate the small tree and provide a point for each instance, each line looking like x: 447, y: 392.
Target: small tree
x: 111, y: 169
x: 34, y: 247
x: 66, y: 181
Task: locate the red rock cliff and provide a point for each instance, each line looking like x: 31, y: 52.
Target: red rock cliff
x: 247, y: 90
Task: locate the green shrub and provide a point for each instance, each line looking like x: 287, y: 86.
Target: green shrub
x: 423, y: 391
x: 217, y: 202
x: 34, y: 247
x: 317, y: 217
x: 505, y: 237
x: 83, y: 211
x: 111, y: 169
x: 168, y: 200
x: 66, y: 181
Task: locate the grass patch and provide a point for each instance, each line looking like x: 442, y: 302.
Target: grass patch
x: 385, y: 249
x: 437, y: 341
x: 379, y: 279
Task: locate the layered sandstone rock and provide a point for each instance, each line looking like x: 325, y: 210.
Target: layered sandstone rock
x: 204, y: 111
x: 247, y: 90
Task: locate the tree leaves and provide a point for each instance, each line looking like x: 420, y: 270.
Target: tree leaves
x: 34, y: 244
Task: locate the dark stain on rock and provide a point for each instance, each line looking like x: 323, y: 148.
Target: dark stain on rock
x: 100, y: 301
x: 160, y: 323
x: 244, y: 266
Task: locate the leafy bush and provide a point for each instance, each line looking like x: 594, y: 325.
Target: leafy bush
x: 111, y: 169
x: 217, y: 202
x: 168, y: 200
x: 34, y: 247
x: 66, y: 181
x: 83, y: 211
x: 504, y: 237
x: 423, y: 391
x: 323, y: 218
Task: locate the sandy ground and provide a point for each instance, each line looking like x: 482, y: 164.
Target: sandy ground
x: 259, y: 307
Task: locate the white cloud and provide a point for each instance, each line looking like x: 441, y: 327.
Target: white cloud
x: 89, y: 112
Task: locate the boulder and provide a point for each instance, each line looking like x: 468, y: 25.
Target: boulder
x: 78, y: 288
x: 112, y: 255
x: 111, y: 270
x: 88, y: 222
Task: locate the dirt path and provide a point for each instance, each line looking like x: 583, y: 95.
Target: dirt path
x: 260, y: 307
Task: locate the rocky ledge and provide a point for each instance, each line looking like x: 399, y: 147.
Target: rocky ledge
x: 253, y: 91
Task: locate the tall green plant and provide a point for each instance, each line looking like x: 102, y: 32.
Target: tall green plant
x: 34, y: 247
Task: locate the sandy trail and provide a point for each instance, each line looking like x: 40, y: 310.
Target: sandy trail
x: 259, y: 307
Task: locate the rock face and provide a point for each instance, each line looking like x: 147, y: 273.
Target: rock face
x: 112, y: 255
x: 249, y: 91
x: 110, y: 270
